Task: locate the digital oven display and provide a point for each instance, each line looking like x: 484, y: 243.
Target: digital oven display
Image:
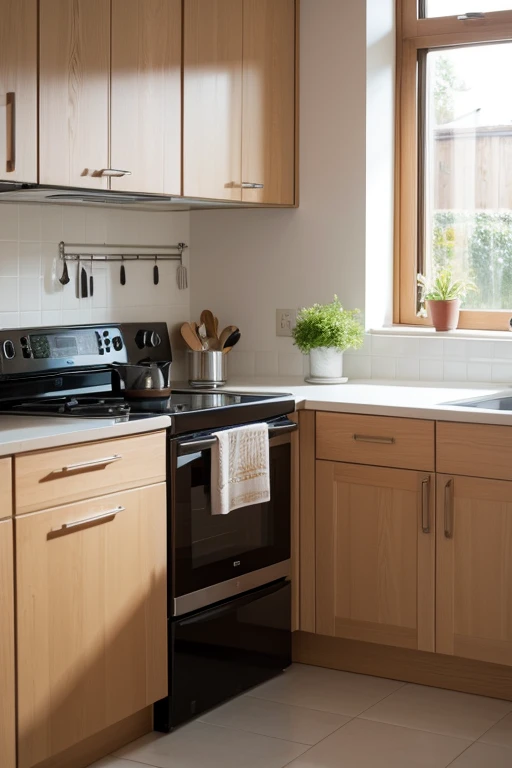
x: 55, y: 346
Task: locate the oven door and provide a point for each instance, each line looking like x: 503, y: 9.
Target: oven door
x: 214, y: 557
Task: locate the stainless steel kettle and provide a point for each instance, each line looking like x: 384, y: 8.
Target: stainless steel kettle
x: 144, y: 376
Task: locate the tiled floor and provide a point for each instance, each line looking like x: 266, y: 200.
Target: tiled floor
x: 317, y: 718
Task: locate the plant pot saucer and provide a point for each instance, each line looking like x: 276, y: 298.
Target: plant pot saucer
x: 318, y: 380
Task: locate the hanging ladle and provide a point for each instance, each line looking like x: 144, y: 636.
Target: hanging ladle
x: 64, y: 278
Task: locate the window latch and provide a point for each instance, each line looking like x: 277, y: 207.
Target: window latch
x: 469, y: 16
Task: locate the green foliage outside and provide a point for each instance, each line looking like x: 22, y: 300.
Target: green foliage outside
x: 328, y: 325
x: 477, y: 246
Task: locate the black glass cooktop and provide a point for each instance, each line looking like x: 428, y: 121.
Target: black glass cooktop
x: 189, y: 411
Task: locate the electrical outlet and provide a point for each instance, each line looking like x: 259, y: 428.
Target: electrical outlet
x: 286, y: 319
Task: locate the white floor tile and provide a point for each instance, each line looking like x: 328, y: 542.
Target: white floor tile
x: 201, y: 745
x: 481, y: 755
x: 282, y: 721
x: 325, y: 689
x: 113, y: 762
x: 365, y: 744
x: 438, y: 711
x: 501, y: 733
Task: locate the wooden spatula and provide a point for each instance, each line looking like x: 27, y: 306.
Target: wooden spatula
x: 208, y: 319
x: 190, y: 337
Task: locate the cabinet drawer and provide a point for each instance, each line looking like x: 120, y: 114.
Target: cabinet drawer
x: 50, y: 478
x: 91, y: 591
x: 477, y: 450
x: 5, y: 488
x: 378, y: 440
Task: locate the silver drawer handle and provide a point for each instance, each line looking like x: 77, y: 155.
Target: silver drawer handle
x: 115, y: 172
x: 252, y: 185
x: 374, y: 439
x: 469, y: 16
x: 88, y: 520
x: 448, y: 509
x: 425, y: 505
x: 10, y: 165
x: 93, y: 463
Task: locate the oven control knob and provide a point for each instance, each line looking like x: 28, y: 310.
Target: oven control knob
x: 118, y: 343
x: 153, y: 339
x: 8, y: 350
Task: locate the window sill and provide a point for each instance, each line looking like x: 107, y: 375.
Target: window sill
x: 424, y: 332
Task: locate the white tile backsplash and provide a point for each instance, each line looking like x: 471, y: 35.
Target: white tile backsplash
x: 30, y: 292
x: 383, y: 367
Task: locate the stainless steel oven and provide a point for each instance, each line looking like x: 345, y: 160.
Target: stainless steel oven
x: 214, y: 557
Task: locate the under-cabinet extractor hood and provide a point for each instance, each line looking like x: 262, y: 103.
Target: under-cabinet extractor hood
x: 36, y: 193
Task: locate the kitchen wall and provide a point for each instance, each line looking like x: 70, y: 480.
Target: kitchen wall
x: 246, y: 264
x: 30, y: 294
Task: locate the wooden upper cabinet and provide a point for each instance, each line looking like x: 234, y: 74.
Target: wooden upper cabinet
x: 91, y: 618
x: 18, y: 90
x: 375, y: 554
x: 268, y: 125
x: 212, y: 118
x: 7, y: 662
x: 74, y: 92
x: 146, y: 95
x: 474, y: 570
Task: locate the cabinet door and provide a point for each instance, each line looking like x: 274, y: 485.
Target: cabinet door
x: 375, y: 555
x: 74, y: 92
x: 18, y: 90
x: 268, y: 128
x: 7, y: 707
x: 212, y: 120
x: 474, y: 568
x: 91, y: 617
x: 146, y: 95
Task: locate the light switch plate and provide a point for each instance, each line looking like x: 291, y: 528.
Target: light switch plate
x: 286, y: 320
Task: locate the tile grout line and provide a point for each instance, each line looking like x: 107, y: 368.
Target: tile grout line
x: 383, y: 699
x: 321, y: 740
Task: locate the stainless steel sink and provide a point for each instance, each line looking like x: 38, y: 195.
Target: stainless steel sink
x: 495, y: 403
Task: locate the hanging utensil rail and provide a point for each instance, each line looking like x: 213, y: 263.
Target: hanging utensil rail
x: 88, y: 255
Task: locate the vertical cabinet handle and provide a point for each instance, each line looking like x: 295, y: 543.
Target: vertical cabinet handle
x: 448, y: 509
x: 10, y: 103
x: 425, y: 505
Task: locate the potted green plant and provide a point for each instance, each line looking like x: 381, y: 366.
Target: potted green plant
x: 324, y: 331
x: 443, y: 296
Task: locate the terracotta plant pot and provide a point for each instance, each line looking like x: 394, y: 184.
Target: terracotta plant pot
x: 444, y: 314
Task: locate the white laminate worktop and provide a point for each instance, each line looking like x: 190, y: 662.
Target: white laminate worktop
x: 418, y: 400
x: 20, y: 434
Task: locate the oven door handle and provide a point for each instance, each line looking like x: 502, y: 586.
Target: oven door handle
x: 197, y: 446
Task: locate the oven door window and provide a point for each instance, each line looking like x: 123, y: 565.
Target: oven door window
x: 210, y: 548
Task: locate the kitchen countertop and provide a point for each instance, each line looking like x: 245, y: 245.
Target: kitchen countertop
x: 414, y: 400
x: 19, y: 434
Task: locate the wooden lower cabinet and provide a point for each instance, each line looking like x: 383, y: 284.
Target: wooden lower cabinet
x: 7, y: 696
x: 91, y: 617
x: 375, y: 554
x: 474, y: 568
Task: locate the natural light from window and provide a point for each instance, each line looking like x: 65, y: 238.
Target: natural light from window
x: 468, y: 185
x: 456, y: 7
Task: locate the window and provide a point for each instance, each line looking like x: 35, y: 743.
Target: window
x: 455, y: 155
x: 436, y: 8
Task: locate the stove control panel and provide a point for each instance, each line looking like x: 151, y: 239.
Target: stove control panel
x: 40, y: 350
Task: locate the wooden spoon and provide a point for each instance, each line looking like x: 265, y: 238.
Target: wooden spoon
x: 232, y: 340
x: 190, y: 337
x: 209, y: 321
x: 226, y: 333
